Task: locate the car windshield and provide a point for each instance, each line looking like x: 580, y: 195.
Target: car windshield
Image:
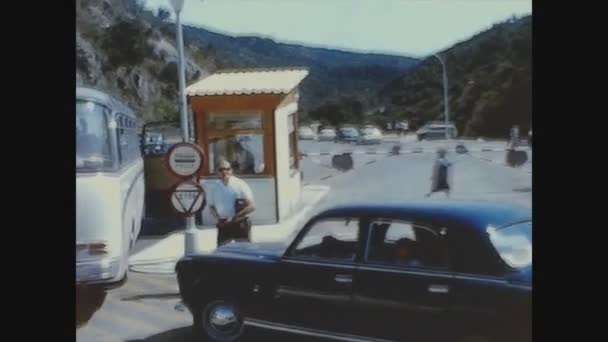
x: 306, y: 130
x: 154, y: 138
x: 93, y: 151
x: 514, y: 244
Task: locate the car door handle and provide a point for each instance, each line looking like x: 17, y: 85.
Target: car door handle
x: 343, y: 278
x: 439, y: 288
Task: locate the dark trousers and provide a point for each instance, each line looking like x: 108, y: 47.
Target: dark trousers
x: 234, y: 231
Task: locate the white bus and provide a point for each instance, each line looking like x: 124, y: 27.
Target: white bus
x: 109, y: 188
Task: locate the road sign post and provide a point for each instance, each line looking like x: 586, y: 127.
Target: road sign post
x: 186, y: 160
x: 187, y: 198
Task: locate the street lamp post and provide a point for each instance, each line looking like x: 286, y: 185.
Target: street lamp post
x: 191, y: 233
x: 177, y: 7
x: 446, y: 104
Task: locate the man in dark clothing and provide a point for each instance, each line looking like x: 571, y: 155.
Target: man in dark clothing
x: 440, y: 174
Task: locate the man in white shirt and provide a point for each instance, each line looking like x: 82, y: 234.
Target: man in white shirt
x: 231, y: 203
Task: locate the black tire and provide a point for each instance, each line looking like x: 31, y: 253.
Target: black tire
x: 205, y: 330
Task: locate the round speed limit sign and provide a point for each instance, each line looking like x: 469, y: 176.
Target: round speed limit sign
x: 185, y: 160
x: 187, y: 198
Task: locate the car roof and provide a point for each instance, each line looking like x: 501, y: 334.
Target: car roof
x: 475, y: 215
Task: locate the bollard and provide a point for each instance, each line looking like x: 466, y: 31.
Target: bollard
x: 192, y: 241
x: 516, y: 158
x: 396, y: 150
x: 461, y: 149
x: 342, y: 162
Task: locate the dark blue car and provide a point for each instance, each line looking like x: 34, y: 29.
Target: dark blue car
x: 348, y: 135
x: 423, y: 271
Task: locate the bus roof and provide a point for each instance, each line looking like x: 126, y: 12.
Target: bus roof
x: 90, y: 94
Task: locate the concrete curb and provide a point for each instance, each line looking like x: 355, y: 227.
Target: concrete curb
x: 161, y: 256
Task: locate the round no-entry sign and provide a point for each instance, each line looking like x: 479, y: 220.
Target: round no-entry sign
x: 187, y: 198
x: 185, y: 160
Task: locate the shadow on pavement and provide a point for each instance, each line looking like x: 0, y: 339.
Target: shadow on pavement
x: 152, y: 296
x: 185, y: 334
x: 88, y: 301
x: 160, y: 226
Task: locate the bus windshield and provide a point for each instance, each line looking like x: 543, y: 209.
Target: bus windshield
x: 93, y: 151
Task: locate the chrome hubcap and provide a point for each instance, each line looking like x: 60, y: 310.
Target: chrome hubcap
x: 223, y: 319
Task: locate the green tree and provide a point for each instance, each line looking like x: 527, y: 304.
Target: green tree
x: 126, y: 44
x: 163, y: 14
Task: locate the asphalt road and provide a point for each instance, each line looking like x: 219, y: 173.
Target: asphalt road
x: 144, y: 309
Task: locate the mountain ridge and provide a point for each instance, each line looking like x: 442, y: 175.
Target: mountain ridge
x: 126, y: 49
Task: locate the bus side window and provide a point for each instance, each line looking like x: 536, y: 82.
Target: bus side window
x: 133, y: 144
x: 122, y: 142
x: 128, y: 141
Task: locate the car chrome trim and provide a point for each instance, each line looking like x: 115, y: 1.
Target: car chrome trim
x: 485, y: 278
x: 364, y: 300
x: 346, y: 264
x: 336, y: 297
x: 309, y: 332
x: 385, y: 268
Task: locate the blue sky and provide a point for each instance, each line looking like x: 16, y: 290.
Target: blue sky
x: 407, y: 27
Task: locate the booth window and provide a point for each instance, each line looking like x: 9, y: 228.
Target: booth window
x: 220, y: 121
x: 293, y: 143
x: 238, y: 138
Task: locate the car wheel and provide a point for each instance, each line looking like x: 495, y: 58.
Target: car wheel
x: 219, y: 321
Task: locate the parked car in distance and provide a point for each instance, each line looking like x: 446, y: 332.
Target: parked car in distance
x: 461, y: 149
x: 154, y: 143
x: 347, y: 134
x: 371, y: 135
x: 306, y: 133
x: 434, y: 131
x: 327, y: 134
x: 429, y: 270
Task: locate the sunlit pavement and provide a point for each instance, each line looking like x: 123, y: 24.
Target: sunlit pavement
x: 144, y: 309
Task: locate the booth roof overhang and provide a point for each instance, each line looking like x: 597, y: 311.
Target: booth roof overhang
x: 248, y: 82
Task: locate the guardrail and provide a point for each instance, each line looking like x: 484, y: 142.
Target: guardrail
x: 397, y: 150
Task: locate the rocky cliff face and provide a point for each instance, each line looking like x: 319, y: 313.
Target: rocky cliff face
x: 123, y: 54
x: 129, y: 51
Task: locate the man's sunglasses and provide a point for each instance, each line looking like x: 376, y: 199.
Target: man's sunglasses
x: 224, y: 169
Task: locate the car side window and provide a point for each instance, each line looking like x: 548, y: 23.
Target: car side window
x: 405, y: 244
x: 332, y: 239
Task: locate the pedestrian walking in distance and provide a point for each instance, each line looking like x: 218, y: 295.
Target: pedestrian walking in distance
x: 231, y: 203
x: 441, y: 170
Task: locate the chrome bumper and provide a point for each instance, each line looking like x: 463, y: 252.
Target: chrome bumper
x: 97, y: 271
